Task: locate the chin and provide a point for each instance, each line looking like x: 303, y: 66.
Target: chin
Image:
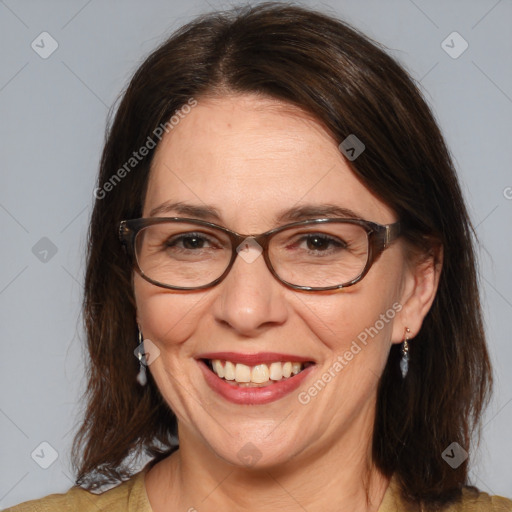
x: 255, y: 452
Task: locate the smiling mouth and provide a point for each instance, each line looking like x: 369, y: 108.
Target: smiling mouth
x: 260, y: 375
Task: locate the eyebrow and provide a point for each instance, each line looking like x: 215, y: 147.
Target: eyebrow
x: 294, y: 214
x: 197, y: 211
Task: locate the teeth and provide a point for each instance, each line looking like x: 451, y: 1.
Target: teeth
x: 259, y: 374
x: 218, y: 368
x: 229, y: 370
x: 296, y: 367
x: 276, y: 371
x: 242, y: 373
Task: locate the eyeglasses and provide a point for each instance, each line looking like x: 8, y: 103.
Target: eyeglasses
x: 310, y: 255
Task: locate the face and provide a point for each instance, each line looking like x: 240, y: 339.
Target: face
x: 252, y: 159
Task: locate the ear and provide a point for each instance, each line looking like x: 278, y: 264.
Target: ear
x: 419, y: 287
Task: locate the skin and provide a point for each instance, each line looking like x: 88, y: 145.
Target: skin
x: 250, y: 158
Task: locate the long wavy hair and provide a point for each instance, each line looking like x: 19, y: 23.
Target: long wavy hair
x: 351, y: 85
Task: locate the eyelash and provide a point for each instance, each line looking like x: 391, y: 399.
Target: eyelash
x: 172, y: 242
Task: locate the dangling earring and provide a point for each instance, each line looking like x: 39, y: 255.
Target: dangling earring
x: 139, y: 352
x: 404, y: 362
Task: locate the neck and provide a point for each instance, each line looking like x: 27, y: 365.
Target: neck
x: 340, y: 479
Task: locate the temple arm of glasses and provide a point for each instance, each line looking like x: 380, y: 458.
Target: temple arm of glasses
x: 392, y: 233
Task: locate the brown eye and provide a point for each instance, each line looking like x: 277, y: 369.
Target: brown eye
x: 189, y: 241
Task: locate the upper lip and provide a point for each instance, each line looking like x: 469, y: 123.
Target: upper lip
x: 254, y: 359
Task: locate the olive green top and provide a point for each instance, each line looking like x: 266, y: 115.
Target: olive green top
x: 130, y: 496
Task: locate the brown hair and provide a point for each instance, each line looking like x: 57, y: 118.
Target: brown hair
x: 352, y: 86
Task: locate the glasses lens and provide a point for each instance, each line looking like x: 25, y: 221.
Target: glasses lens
x: 182, y: 254
x: 320, y: 255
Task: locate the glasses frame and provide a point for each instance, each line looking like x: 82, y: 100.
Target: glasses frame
x: 379, y: 238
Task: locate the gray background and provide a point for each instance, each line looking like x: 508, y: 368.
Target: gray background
x: 52, y: 118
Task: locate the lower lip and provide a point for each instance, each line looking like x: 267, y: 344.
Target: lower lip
x: 253, y: 396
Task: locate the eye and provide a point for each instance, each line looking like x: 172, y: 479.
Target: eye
x: 188, y: 241
x: 317, y: 244
x: 322, y: 242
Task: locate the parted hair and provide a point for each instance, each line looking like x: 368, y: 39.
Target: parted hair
x: 351, y: 85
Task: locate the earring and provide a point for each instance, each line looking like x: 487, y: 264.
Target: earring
x: 141, y: 376
x: 404, y: 362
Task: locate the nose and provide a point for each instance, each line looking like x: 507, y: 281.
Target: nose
x: 250, y: 298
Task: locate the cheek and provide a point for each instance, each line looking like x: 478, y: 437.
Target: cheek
x: 336, y: 322
x: 361, y: 315
x: 167, y: 318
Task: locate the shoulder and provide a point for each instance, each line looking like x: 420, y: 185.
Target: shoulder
x: 129, y: 496
x: 474, y: 500
x: 471, y: 500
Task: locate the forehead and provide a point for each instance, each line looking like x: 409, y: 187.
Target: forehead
x: 250, y: 158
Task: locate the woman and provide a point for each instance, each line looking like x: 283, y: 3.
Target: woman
x: 297, y: 283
